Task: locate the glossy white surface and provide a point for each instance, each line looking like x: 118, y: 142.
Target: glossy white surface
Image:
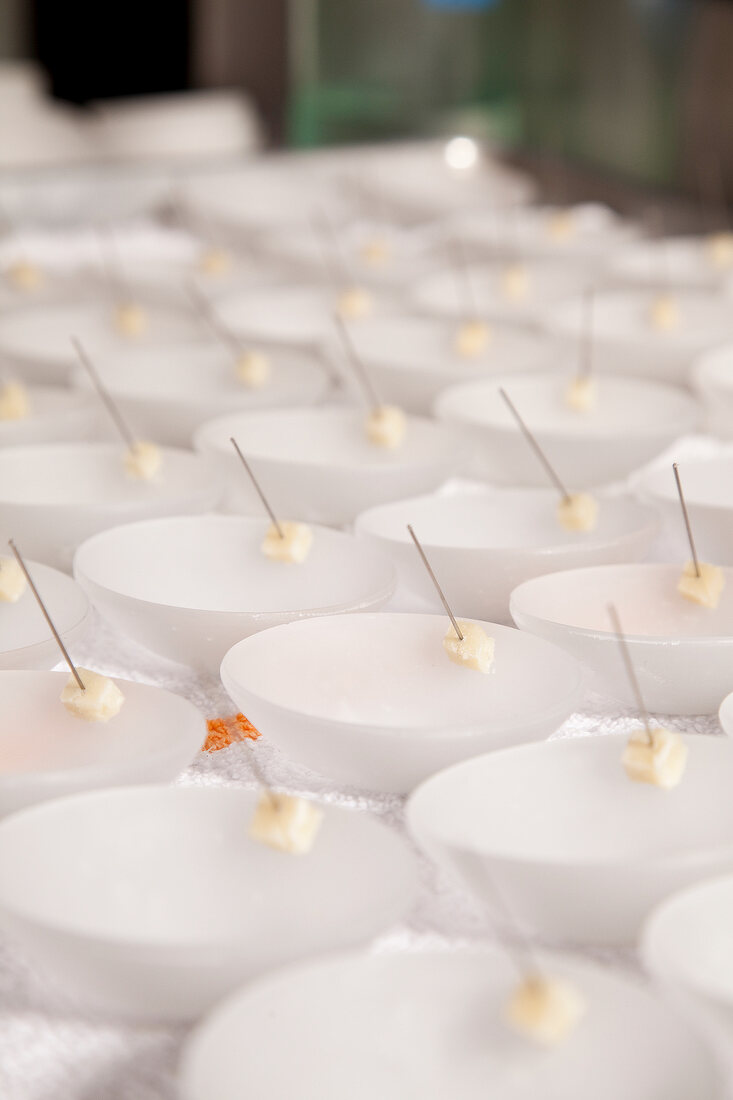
x: 430, y: 1025
x: 483, y: 544
x: 96, y: 891
x: 53, y: 497
x: 190, y: 587
x: 578, y: 852
x: 167, y: 392
x: 318, y: 464
x: 682, y: 652
x: 633, y: 420
x: 25, y: 639
x: 346, y: 695
x: 712, y: 378
x: 47, y: 752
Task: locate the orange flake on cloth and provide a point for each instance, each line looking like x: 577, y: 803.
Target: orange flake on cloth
x: 225, y: 731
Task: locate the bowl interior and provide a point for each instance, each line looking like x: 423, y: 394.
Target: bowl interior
x: 215, y: 563
x: 38, y: 736
x: 22, y: 624
x: 624, y: 405
x: 373, y: 670
x: 620, y: 315
x: 285, y: 313
x: 569, y: 801
x: 332, y: 437
x: 645, y: 596
x: 547, y: 281
x: 108, y: 865
x: 511, y: 519
x: 94, y: 474
x: 431, y: 1025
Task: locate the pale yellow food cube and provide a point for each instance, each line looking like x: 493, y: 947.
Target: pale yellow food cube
x: 12, y: 581
x: 561, y: 225
x: 515, y: 282
x: 705, y: 589
x: 143, y: 460
x: 25, y: 276
x: 130, y: 319
x: 578, y: 512
x: 661, y: 761
x: 581, y: 394
x: 14, y: 403
x: 292, y: 546
x: 100, y: 701
x: 215, y: 261
x: 386, y: 426
x: 472, y: 338
x: 286, y: 822
x: 664, y: 313
x: 354, y: 302
x: 475, y: 651
x: 719, y: 249
x: 253, y: 369
x: 376, y: 252
x: 546, y: 1010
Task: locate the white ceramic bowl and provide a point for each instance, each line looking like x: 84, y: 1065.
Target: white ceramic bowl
x: 373, y: 700
x: 25, y: 640
x: 712, y: 378
x: 682, y: 652
x: 317, y: 464
x: 688, y: 947
x: 411, y: 358
x: 444, y: 294
x: 685, y: 262
x: 588, y: 233
x: 46, y: 752
x: 633, y: 421
x: 430, y: 1024
x: 56, y: 415
x: 483, y: 544
x: 298, y: 313
x: 153, y: 903
x: 169, y: 391
x: 708, y: 486
x: 37, y: 339
x: 577, y: 851
x: 624, y: 341
x: 189, y: 587
x: 54, y: 496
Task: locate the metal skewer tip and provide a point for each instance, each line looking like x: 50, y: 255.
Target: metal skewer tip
x: 630, y: 671
x: 357, y: 365
x: 44, y: 611
x: 257, y: 486
x: 435, y: 581
x: 104, y: 394
x: 529, y: 436
x: 686, y: 518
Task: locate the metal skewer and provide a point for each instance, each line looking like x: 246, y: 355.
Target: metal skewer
x: 203, y: 308
x: 630, y: 671
x: 331, y: 255
x: 111, y: 405
x: 686, y: 518
x: 358, y: 367
x: 435, y: 581
x: 528, y: 435
x: 257, y: 486
x: 586, y: 339
x: 111, y: 264
x: 467, y: 289
x: 47, y: 617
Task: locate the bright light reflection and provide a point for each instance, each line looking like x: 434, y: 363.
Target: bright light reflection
x: 461, y: 153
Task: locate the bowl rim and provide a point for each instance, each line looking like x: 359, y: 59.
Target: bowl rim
x: 377, y: 596
x: 608, y: 635
x: 39, y: 568
x: 559, y: 711
x: 630, y: 859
